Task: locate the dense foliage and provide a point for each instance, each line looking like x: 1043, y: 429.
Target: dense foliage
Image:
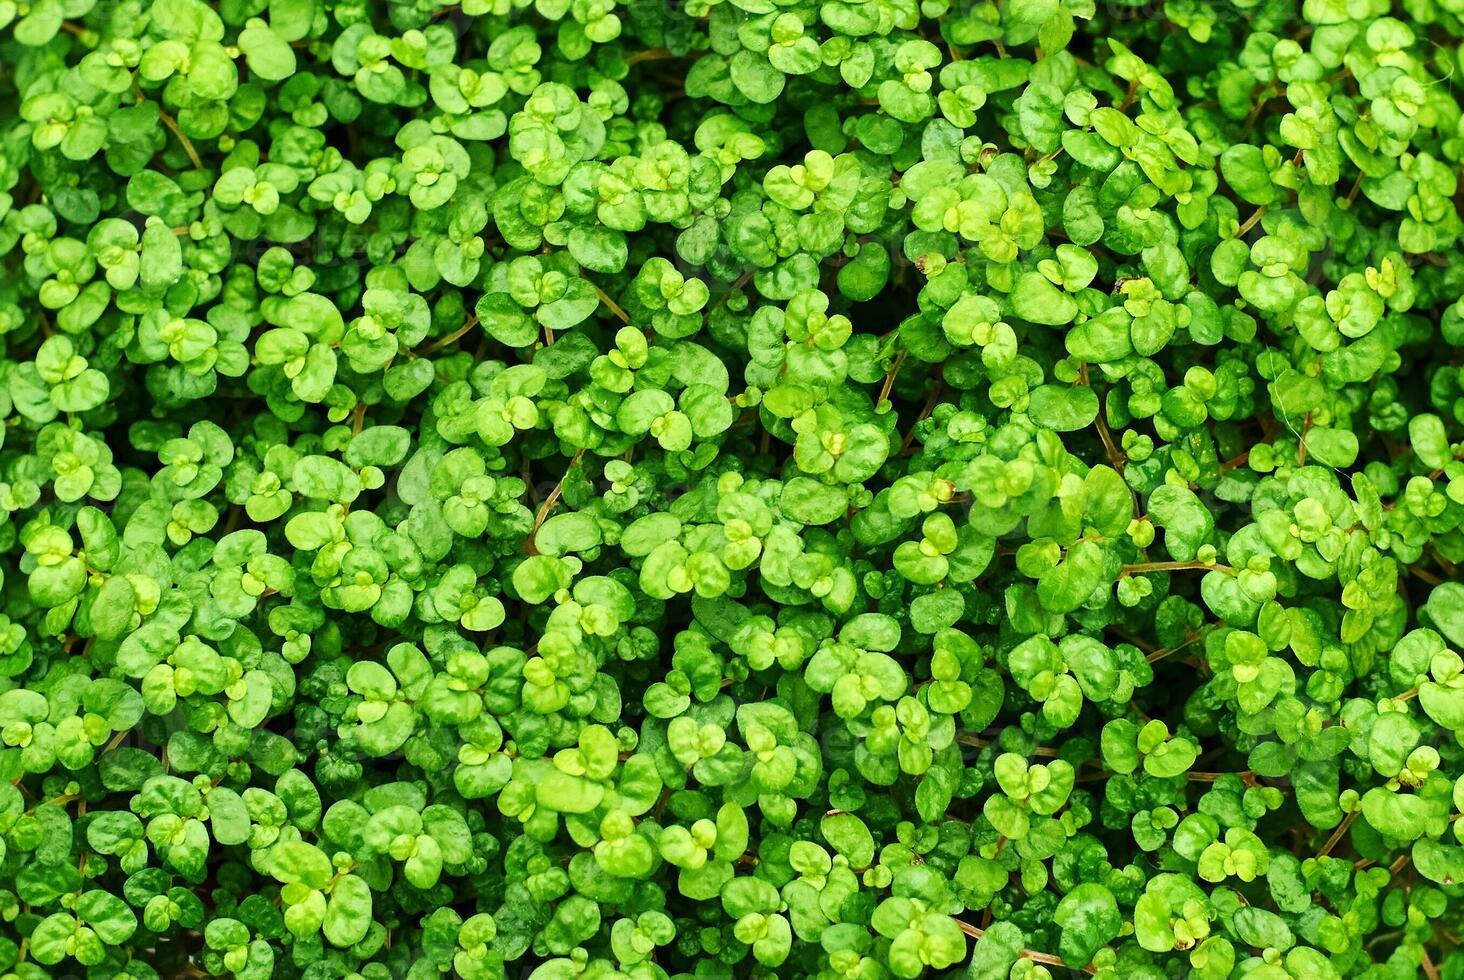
x: 853, y: 489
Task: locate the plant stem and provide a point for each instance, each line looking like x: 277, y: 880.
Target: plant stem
x: 1337, y: 834
x: 547, y: 507
x: 455, y: 335
x: 1159, y: 655
x: 1173, y: 566
x: 1047, y: 959
x: 611, y: 304
x: 1250, y: 222
x: 889, y: 381
x: 1115, y: 455
x: 172, y: 125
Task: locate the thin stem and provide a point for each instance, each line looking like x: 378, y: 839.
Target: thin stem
x: 1250, y: 222
x: 115, y: 741
x: 1159, y: 655
x: 1426, y: 576
x: 1044, y: 751
x: 650, y: 54
x: 1173, y: 566
x: 547, y: 507
x: 1143, y: 645
x: 1232, y: 463
x: 925, y: 411
x: 1337, y: 834
x: 61, y: 800
x: 1264, y: 97
x: 613, y: 306
x: 1214, y: 777
x: 1129, y: 96
x: 1047, y: 959
x: 660, y: 54
x: 454, y: 336
x: 889, y: 381
x: 1356, y: 186
x: 1115, y: 455
x: 1301, y: 441
x: 172, y: 125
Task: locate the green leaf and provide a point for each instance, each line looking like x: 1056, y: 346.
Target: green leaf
x: 1037, y: 300
x: 1089, y: 918
x: 996, y: 952
x: 348, y: 911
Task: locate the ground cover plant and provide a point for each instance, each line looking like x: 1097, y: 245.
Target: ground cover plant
x: 861, y: 489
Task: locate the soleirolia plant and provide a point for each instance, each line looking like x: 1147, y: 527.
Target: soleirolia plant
x: 854, y: 490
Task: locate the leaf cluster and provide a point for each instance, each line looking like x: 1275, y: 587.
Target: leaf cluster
x: 845, y: 490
